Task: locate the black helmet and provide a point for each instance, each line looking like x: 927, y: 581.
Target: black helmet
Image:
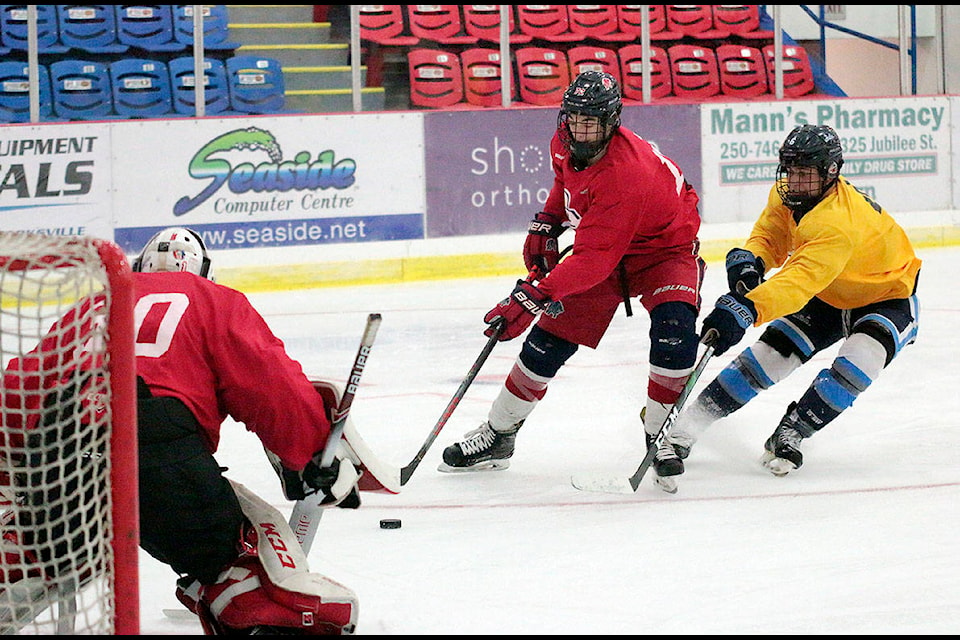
x: 809, y: 145
x: 592, y: 93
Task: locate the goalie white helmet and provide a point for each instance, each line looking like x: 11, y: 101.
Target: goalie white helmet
x: 175, y: 249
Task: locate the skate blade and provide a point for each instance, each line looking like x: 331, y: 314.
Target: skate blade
x: 667, y: 483
x: 490, y: 465
x: 777, y: 466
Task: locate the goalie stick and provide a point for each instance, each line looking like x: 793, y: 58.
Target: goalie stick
x: 408, y: 470
x: 608, y: 484
x: 307, y: 512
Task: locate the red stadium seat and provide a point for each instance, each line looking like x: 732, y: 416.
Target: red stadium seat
x: 436, y: 78
x: 483, y: 21
x: 797, y: 72
x: 694, y: 71
x: 694, y: 20
x: 384, y: 24
x: 543, y: 75
x: 740, y: 20
x: 590, y: 58
x: 597, y: 21
x: 631, y: 17
x: 631, y: 70
x: 482, y: 84
x: 549, y: 22
x: 438, y: 23
x: 743, y: 72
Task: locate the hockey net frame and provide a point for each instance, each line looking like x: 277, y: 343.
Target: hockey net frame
x: 69, y: 517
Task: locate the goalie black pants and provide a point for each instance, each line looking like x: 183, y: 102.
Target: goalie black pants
x: 190, y: 517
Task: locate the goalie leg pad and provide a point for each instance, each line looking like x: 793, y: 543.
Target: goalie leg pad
x: 269, y: 587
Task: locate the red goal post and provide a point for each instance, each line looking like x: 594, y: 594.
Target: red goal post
x: 69, y: 516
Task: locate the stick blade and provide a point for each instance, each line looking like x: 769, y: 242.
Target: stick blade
x: 599, y: 483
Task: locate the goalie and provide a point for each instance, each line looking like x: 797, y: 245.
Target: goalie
x: 202, y: 354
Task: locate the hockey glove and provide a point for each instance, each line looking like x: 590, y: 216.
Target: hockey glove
x: 541, y: 251
x: 518, y: 310
x: 337, y: 483
x: 730, y: 318
x: 744, y: 270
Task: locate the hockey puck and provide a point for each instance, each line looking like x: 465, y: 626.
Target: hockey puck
x: 390, y: 523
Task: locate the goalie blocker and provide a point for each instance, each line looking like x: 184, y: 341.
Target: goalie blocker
x: 356, y: 467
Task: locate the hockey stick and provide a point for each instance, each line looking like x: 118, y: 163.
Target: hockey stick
x: 607, y: 484
x: 307, y: 512
x: 408, y: 470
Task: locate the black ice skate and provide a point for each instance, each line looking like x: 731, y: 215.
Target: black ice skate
x: 782, y: 449
x: 483, y: 449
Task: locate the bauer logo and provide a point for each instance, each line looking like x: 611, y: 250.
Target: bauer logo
x: 251, y: 160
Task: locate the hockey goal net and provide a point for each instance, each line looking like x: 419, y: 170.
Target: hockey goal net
x: 68, y: 465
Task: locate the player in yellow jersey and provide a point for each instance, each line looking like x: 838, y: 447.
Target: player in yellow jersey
x: 844, y: 270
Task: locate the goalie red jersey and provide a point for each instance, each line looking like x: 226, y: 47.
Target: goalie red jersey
x: 247, y: 374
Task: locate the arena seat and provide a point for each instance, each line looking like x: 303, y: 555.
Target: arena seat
x: 631, y: 70
x: 743, y: 72
x: 436, y: 78
x: 797, y: 72
x: 694, y: 71
x: 543, y: 74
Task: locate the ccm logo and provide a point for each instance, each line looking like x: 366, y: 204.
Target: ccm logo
x: 279, y: 546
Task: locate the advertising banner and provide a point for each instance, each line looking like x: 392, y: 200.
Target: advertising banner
x: 271, y: 182
x: 56, y: 179
x: 888, y: 143
x: 489, y: 172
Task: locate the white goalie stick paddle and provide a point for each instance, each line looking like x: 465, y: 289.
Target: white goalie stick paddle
x: 306, y: 512
x: 620, y: 484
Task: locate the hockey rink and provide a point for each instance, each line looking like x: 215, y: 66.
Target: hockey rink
x: 863, y: 539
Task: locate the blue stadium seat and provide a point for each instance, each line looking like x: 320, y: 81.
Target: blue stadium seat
x: 13, y: 28
x: 15, y: 92
x: 215, y: 29
x: 216, y: 88
x: 147, y: 26
x: 141, y: 88
x: 81, y: 90
x: 256, y: 84
x: 91, y: 27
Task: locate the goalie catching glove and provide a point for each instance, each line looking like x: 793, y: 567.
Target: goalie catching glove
x: 337, y: 483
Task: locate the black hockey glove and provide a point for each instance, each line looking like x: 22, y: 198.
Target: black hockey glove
x: 744, y: 270
x: 730, y: 318
x: 337, y: 483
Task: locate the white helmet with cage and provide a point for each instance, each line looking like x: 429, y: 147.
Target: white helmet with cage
x: 175, y: 249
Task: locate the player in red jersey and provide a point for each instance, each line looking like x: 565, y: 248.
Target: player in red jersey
x: 202, y: 353
x: 636, y: 223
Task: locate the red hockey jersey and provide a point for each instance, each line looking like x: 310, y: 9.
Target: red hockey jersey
x: 633, y: 201
x: 205, y: 344
x: 197, y: 341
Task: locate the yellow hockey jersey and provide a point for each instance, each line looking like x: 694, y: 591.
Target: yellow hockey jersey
x: 847, y: 251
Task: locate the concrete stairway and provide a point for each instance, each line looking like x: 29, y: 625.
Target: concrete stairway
x: 316, y: 71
